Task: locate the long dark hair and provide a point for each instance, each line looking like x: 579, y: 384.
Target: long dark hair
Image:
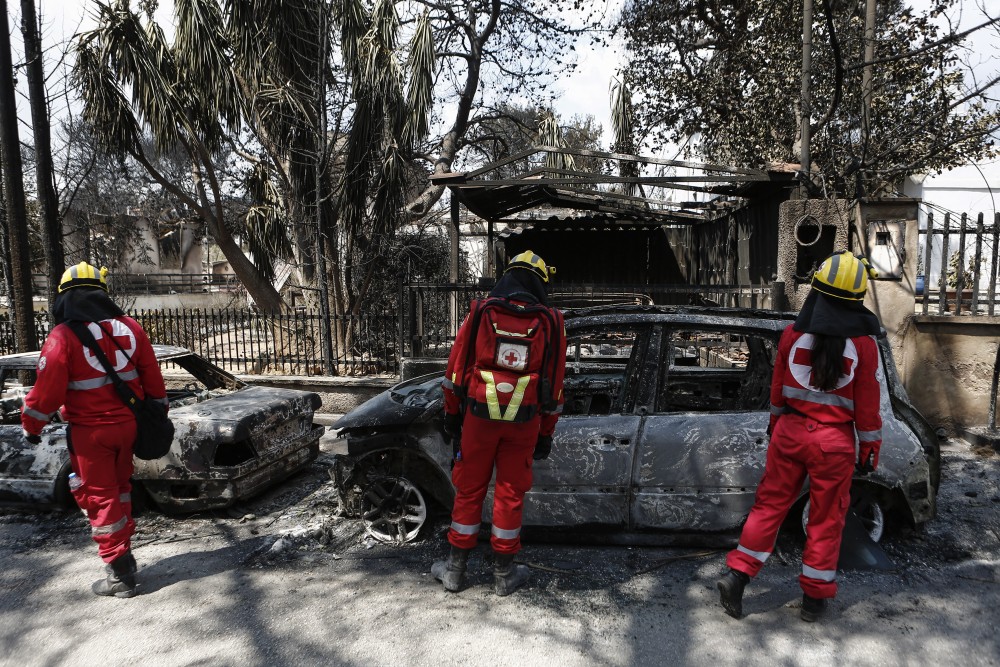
x: 827, y: 360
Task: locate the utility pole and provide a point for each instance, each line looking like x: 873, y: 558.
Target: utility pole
x: 866, y: 76
x: 806, y: 101
x: 13, y: 187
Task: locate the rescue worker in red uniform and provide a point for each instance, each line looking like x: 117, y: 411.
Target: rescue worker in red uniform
x: 503, y: 395
x: 102, y: 429
x: 825, y: 389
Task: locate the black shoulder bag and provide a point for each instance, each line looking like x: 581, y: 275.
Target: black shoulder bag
x: 154, y: 432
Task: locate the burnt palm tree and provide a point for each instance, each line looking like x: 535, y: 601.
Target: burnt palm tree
x: 257, y: 68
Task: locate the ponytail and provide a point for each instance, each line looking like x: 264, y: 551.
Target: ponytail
x: 827, y: 361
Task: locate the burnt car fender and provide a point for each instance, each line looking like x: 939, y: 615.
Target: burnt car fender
x: 392, y: 454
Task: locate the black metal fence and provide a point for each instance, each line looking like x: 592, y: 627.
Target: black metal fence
x: 242, y: 340
x: 8, y: 337
x: 960, y: 261
x: 429, y: 321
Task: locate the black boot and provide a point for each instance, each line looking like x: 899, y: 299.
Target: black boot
x: 507, y: 577
x: 731, y: 587
x: 121, y: 581
x: 812, y: 608
x: 451, y: 572
x: 132, y: 566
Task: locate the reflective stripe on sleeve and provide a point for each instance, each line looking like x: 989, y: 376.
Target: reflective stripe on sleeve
x: 777, y: 410
x: 822, y: 575
x: 505, y: 534
x: 465, y: 528
x: 821, y: 397
x: 163, y: 401
x: 98, y: 382
x: 107, y: 530
x: 36, y: 414
x: 762, y: 556
x: 870, y: 436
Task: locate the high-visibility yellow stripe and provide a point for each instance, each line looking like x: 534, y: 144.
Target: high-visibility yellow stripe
x: 493, y: 401
x: 501, y: 332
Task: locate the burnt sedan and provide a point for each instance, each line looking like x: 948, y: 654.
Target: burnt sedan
x: 663, y: 436
x: 231, y: 440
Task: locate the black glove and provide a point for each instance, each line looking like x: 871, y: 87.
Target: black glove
x: 32, y: 438
x: 543, y: 447
x: 453, y: 432
x: 867, y: 460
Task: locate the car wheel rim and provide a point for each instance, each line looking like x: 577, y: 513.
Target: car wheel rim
x: 393, y: 510
x: 870, y: 512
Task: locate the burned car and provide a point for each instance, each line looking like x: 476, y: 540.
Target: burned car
x: 663, y: 435
x: 231, y: 440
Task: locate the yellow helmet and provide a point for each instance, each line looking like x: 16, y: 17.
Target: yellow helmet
x: 83, y: 275
x: 843, y: 275
x: 532, y: 262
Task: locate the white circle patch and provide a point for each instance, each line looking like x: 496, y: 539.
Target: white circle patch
x: 800, y: 362
x: 505, y: 387
x: 41, y: 363
x: 125, y: 337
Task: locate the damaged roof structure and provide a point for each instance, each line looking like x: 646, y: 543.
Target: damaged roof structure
x: 632, y: 219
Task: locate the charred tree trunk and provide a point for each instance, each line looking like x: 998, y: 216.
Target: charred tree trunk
x: 8, y: 278
x: 44, y: 171
x: 13, y: 187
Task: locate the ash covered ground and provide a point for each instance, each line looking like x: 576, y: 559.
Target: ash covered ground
x: 288, y: 578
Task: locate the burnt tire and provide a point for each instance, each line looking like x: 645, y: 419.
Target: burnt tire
x: 61, y: 496
x: 393, y: 509
x: 868, y: 503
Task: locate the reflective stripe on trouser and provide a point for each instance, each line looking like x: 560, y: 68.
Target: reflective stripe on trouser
x: 800, y: 447
x: 507, y: 447
x: 102, y: 457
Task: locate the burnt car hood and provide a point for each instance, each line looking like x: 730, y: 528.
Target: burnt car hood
x: 205, y: 431
x: 385, y: 411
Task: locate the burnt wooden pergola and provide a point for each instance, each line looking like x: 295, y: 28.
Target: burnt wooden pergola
x: 639, y: 199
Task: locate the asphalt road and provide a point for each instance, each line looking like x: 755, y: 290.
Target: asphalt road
x: 286, y: 581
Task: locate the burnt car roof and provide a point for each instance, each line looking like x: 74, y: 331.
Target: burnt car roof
x: 751, y: 318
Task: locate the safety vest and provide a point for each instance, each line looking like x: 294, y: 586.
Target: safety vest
x: 506, y: 360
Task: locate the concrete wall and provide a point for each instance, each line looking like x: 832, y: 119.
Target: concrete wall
x: 822, y: 226
x: 340, y: 395
x: 945, y: 361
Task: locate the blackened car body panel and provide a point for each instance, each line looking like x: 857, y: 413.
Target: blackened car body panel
x: 231, y: 440
x: 664, y: 429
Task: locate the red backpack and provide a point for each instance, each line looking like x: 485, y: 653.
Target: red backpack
x: 510, y: 360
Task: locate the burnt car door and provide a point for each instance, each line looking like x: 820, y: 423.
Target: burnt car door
x: 703, y: 447
x: 585, y: 480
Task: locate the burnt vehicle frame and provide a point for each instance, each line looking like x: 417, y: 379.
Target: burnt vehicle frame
x: 231, y: 440
x: 663, y: 436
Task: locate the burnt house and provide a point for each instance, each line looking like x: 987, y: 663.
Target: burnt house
x: 656, y: 226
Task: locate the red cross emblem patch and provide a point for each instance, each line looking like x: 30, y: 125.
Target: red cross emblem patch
x: 512, y: 355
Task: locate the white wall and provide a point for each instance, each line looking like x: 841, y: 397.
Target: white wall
x: 971, y: 189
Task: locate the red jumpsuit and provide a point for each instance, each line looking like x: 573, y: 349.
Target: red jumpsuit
x: 101, y: 429
x: 812, y: 435
x: 499, y: 389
